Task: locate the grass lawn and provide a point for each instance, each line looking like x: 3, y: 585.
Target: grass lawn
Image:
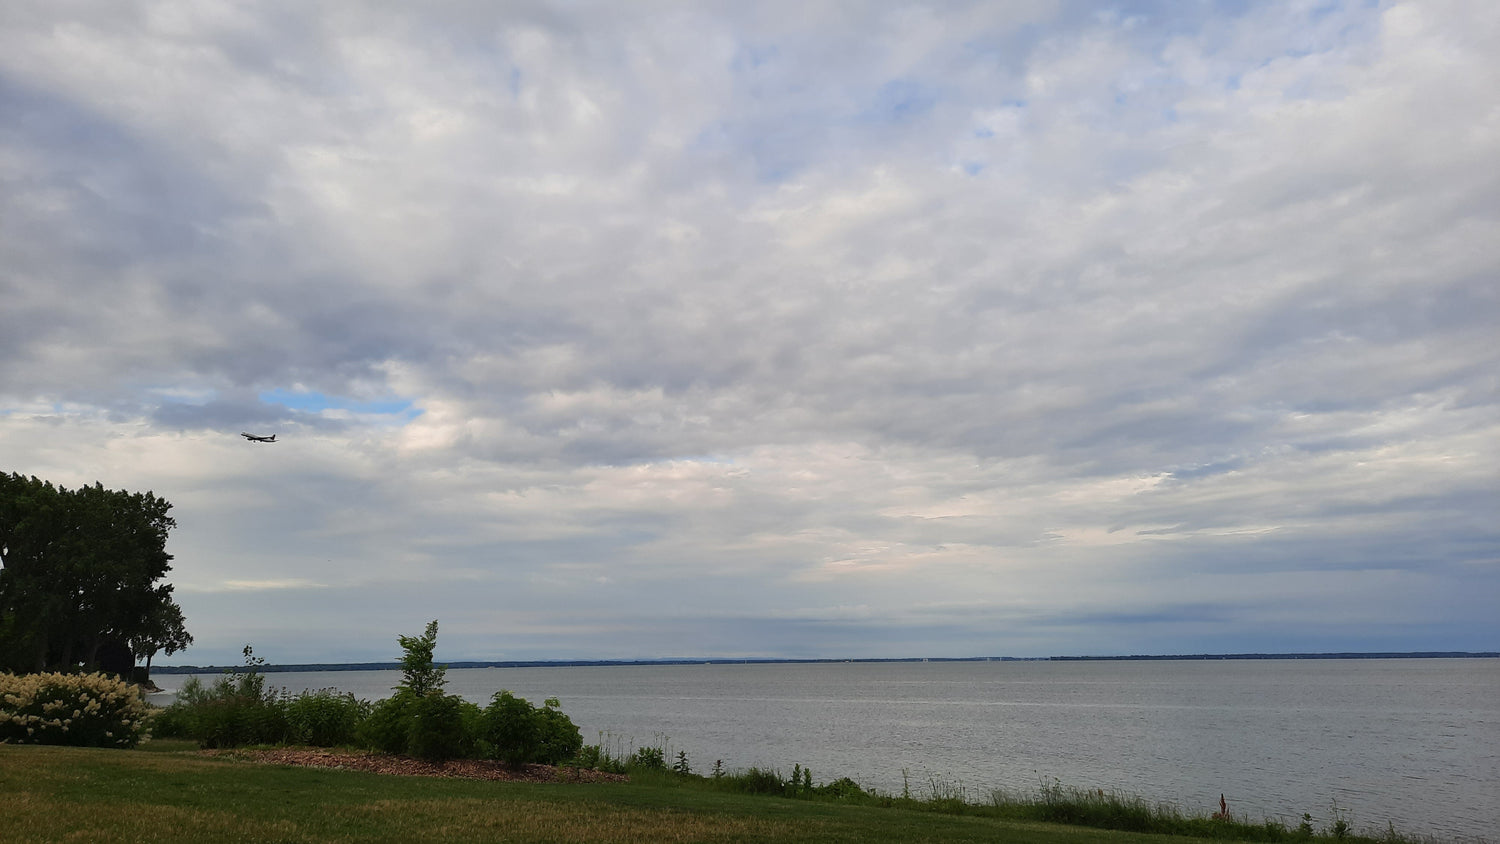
x: 166, y: 792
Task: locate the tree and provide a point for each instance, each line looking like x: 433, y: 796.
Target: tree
x: 163, y: 631
x: 419, y: 675
x: 419, y: 719
x: 80, y: 568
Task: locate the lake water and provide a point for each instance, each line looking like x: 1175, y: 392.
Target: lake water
x: 1414, y: 742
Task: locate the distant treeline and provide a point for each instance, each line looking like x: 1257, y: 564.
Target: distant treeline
x: 584, y: 663
x: 579, y: 663
x: 1388, y: 655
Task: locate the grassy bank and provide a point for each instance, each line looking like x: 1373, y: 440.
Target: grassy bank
x: 168, y: 792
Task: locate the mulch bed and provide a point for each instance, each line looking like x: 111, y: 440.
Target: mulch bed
x: 477, y: 769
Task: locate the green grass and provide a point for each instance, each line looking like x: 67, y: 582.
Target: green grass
x: 166, y: 792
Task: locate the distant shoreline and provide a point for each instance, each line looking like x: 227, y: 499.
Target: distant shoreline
x: 591, y: 663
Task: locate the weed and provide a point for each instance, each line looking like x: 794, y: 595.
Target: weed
x: 235, y: 710
x: 325, y: 718
x: 649, y: 758
x: 1339, y: 828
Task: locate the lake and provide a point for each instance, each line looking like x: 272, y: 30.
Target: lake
x: 1414, y: 742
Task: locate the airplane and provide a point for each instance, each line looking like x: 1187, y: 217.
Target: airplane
x: 253, y: 438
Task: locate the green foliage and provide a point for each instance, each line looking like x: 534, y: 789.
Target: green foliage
x: 799, y: 784
x: 1056, y: 803
x: 1305, y: 829
x: 79, y: 710
x: 235, y: 710
x: 1340, y: 827
x: 79, y: 572
x: 561, y: 739
x: 597, y: 757
x: 649, y: 758
x: 754, y: 781
x: 510, y: 728
x: 517, y: 732
x: 438, y: 728
x: 842, y: 788
x: 388, y: 727
x: 419, y: 674
x: 418, y: 720
x: 325, y: 718
x: 170, y: 722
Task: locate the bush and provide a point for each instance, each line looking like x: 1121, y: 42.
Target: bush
x: 169, y: 722
x: 596, y: 757
x: 438, y: 728
x: 755, y: 781
x: 842, y: 788
x: 236, y: 709
x: 649, y: 759
x: 511, y: 730
x: 419, y: 719
x: 561, y: 739
x: 388, y: 727
x: 80, y: 710
x: 516, y: 732
x: 324, y: 718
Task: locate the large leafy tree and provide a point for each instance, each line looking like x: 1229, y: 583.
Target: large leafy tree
x: 79, y: 569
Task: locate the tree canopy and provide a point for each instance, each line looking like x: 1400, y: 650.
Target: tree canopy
x: 79, y: 572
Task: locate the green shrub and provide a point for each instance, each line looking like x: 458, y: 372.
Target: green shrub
x: 755, y: 781
x: 649, y: 758
x: 596, y: 757
x: 842, y: 788
x: 516, y: 732
x: 81, y: 710
x: 511, y: 729
x: 560, y: 738
x: 169, y: 722
x: 324, y: 718
x: 236, y: 709
x: 223, y: 714
x: 437, y: 727
x: 388, y: 727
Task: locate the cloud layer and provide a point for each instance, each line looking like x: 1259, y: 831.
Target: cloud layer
x: 779, y: 329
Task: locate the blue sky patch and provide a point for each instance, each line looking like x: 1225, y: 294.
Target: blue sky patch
x: 315, y: 402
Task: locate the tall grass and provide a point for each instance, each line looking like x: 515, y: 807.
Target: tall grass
x: 1051, y: 802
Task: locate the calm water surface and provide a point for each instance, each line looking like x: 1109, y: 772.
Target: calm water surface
x: 1414, y: 742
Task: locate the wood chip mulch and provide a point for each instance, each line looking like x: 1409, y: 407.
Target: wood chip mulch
x: 349, y: 760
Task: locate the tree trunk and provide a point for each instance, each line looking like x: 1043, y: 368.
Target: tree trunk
x: 40, y: 662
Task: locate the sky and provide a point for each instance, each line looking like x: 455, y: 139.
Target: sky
x: 785, y: 329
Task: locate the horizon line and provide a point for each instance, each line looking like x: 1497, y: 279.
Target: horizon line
x: 389, y: 665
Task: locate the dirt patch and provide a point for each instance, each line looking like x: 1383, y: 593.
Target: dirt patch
x: 376, y: 763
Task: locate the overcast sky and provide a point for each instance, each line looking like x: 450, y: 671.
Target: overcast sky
x: 613, y: 330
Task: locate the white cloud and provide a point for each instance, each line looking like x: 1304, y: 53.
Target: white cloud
x: 1063, y: 324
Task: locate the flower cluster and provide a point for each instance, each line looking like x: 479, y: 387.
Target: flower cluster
x: 86, y: 710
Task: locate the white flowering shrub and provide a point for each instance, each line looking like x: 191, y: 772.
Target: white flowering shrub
x: 84, y: 710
